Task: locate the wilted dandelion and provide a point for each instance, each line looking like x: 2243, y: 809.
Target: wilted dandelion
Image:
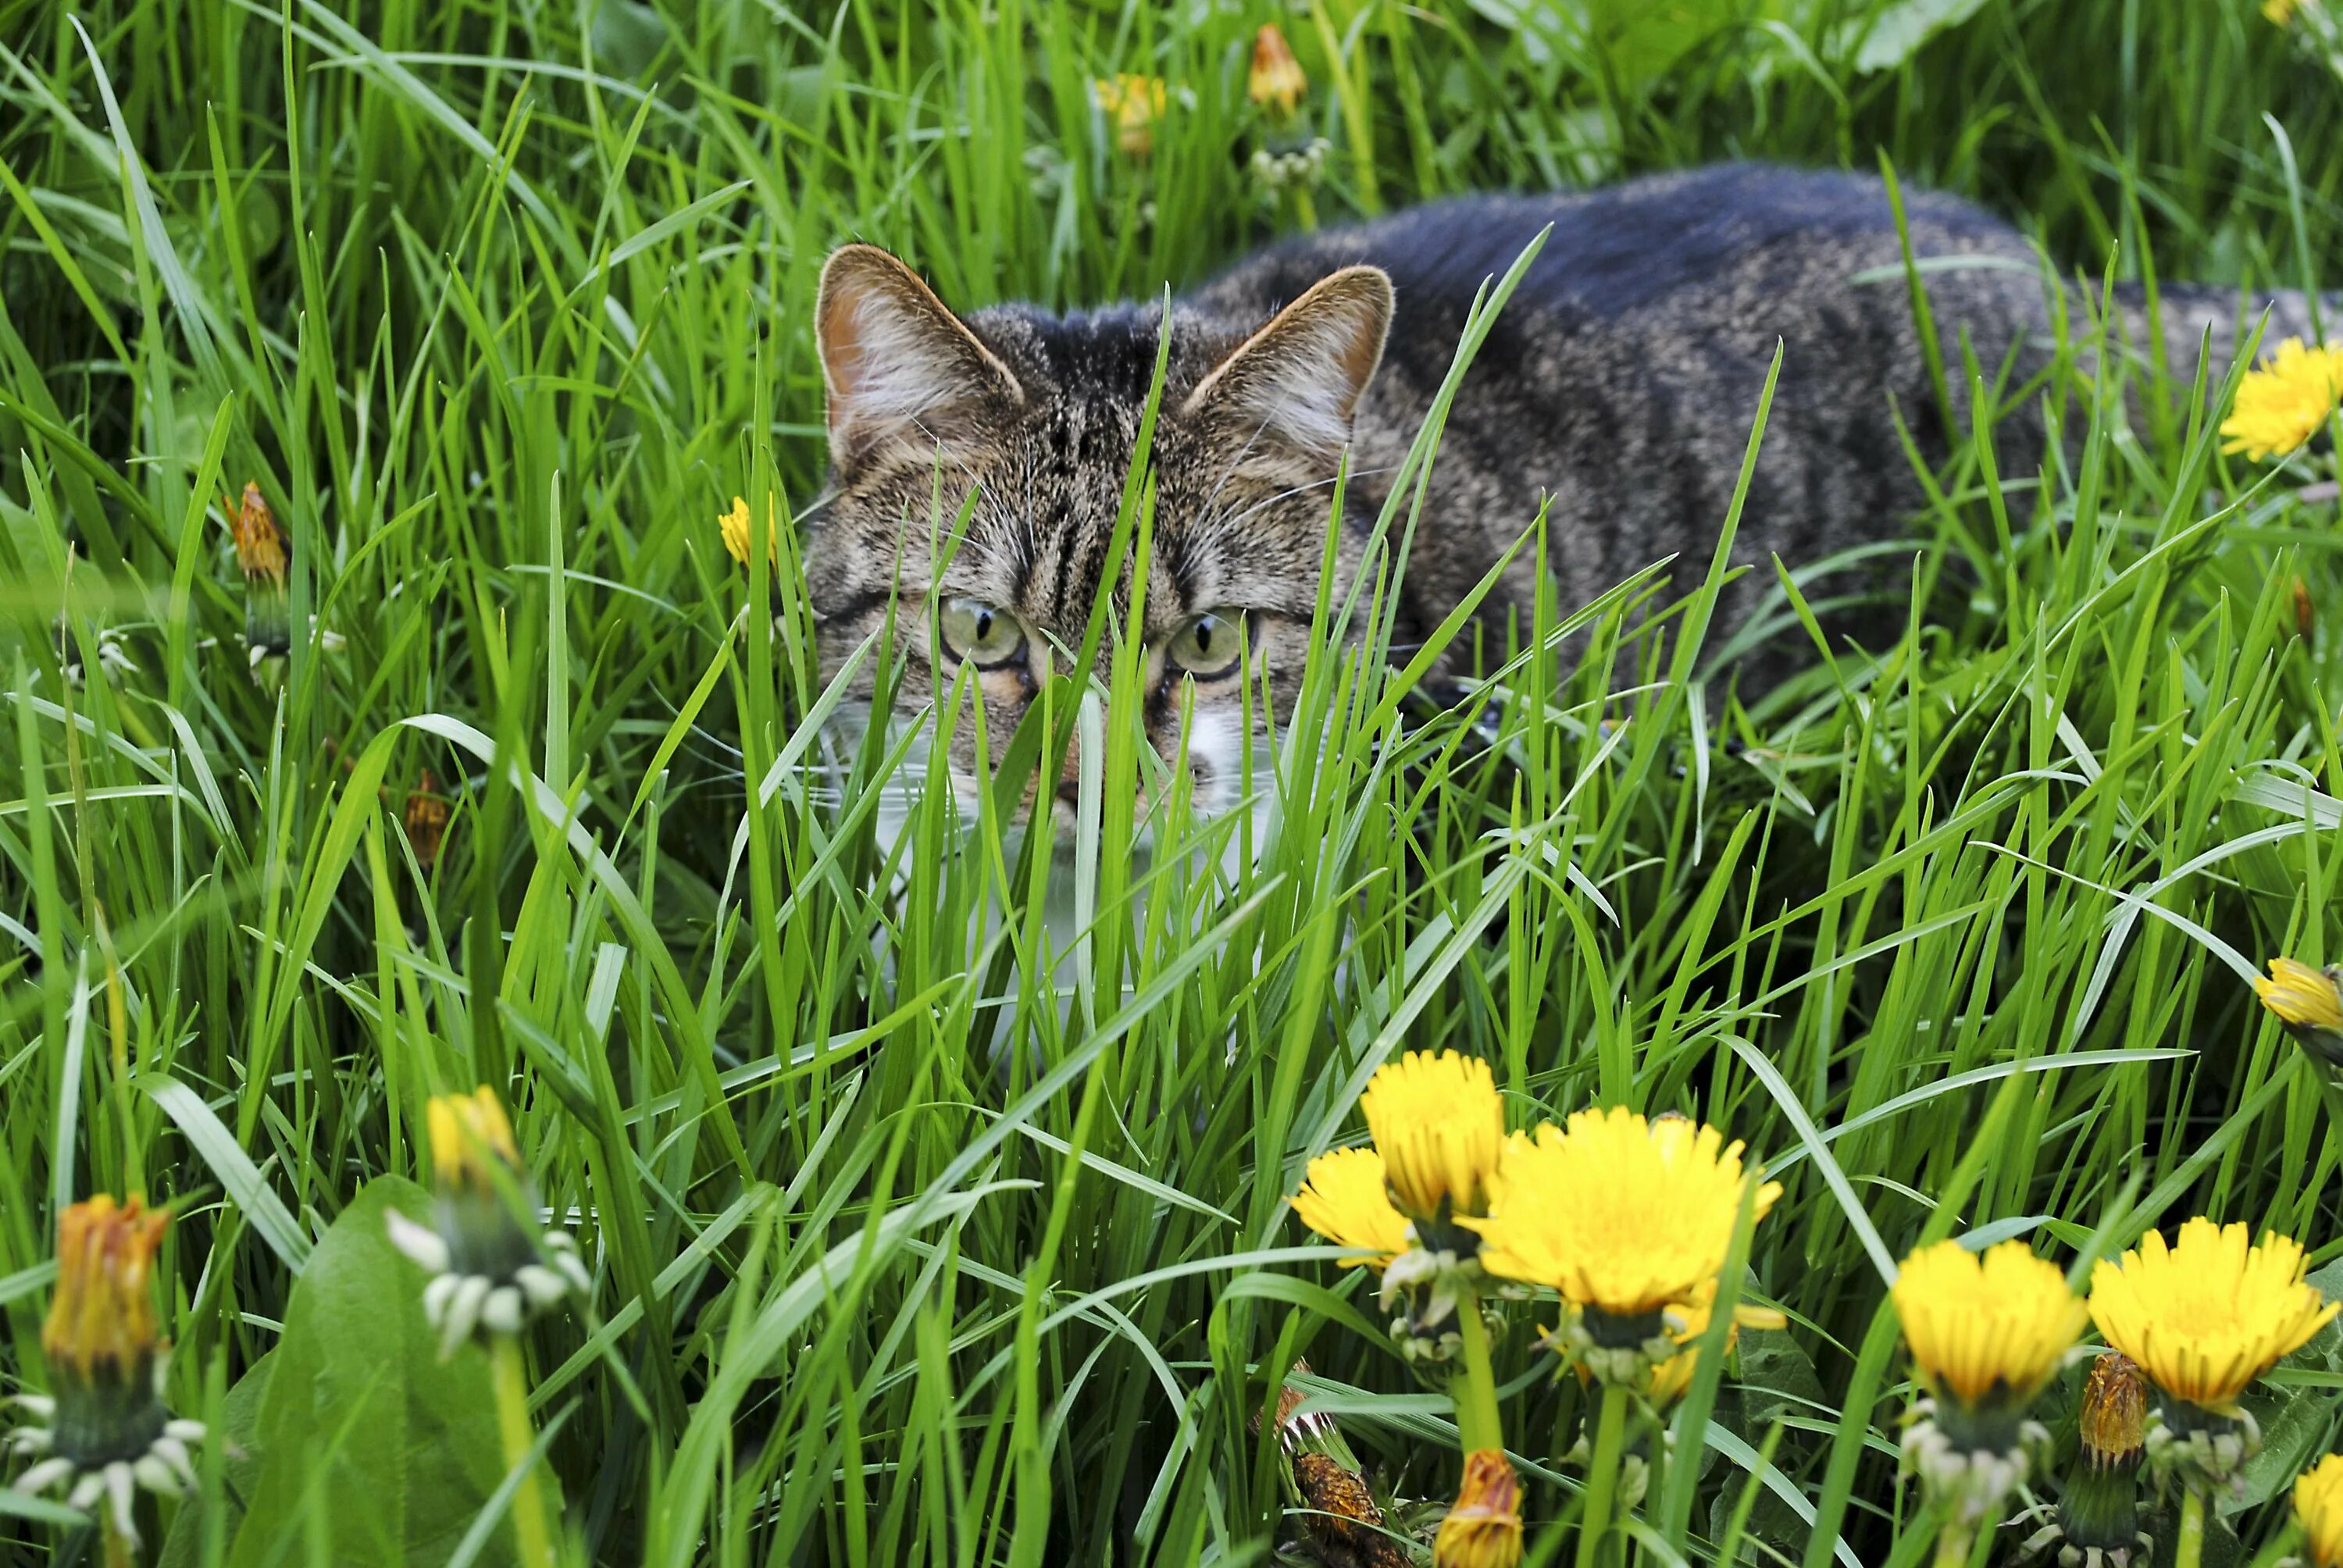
x: 108, y: 1433
x: 426, y: 820
x: 2282, y: 402
x: 260, y: 555
x: 1483, y: 1528
x: 1275, y: 84
x: 2097, y: 1520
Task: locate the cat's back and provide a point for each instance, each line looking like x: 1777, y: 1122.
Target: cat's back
x: 1646, y: 245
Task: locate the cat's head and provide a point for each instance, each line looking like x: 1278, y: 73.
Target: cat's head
x: 1036, y: 416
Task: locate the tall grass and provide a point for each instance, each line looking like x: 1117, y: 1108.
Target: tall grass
x: 916, y: 1241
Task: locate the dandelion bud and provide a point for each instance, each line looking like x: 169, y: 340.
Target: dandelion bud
x: 109, y: 1433
x: 2310, y: 1004
x: 1484, y: 1530
x: 2305, y: 616
x: 1275, y: 83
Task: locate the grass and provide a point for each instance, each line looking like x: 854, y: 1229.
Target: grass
x: 914, y: 1241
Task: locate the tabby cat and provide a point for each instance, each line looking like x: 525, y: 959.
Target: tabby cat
x: 1618, y: 387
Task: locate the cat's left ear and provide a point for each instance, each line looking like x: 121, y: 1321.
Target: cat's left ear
x: 1301, y: 376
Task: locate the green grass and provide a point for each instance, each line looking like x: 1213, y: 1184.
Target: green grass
x: 940, y: 1248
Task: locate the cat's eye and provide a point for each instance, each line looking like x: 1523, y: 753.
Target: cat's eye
x: 1208, y: 647
x: 980, y: 634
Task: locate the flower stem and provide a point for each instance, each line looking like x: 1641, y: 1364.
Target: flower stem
x: 1953, y: 1544
x: 118, y: 1551
x: 1474, y: 1390
x: 512, y: 1424
x: 1603, y: 1475
x: 2190, y: 1549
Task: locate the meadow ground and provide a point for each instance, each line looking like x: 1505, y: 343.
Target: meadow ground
x: 910, y: 1242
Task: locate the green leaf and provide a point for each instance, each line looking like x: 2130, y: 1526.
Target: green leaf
x: 1895, y: 34
x: 358, y: 1406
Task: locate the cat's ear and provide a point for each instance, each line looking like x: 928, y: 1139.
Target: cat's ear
x: 1301, y: 377
x: 897, y: 364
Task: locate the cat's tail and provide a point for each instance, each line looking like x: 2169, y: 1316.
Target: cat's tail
x: 2218, y: 321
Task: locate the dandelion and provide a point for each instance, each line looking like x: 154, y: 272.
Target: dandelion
x: 2208, y: 1315
x: 2097, y: 1524
x: 1134, y: 104
x: 1275, y: 83
x: 109, y: 1433
x: 1621, y: 1215
x: 1339, y: 1513
x: 1345, y: 1199
x: 2204, y: 1318
x: 1484, y: 1529
x: 1686, y: 1322
x: 2319, y: 1509
x: 1985, y: 1333
x: 734, y: 527
x: 260, y: 555
x: 426, y: 820
x: 2310, y: 1004
x: 2278, y: 13
x: 1440, y: 1127
x: 490, y: 1269
x: 2282, y: 402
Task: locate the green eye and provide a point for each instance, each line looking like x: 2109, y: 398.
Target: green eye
x: 1210, y: 645
x: 980, y: 634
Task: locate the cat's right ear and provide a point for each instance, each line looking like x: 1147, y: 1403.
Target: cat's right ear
x: 896, y: 365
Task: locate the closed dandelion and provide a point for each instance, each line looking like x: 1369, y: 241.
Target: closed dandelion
x: 1275, y: 83
x: 260, y: 555
x: 1440, y: 1127
x: 2097, y: 1523
x: 2282, y: 403
x: 491, y: 1266
x: 1483, y: 1528
x: 2310, y: 1002
x: 2318, y: 1511
x: 1985, y: 1332
x: 107, y: 1433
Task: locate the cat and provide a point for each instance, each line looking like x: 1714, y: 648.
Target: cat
x: 1618, y: 387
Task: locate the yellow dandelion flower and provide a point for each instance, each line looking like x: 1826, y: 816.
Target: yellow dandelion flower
x: 2113, y: 1422
x: 2209, y: 1314
x: 1343, y: 1199
x: 1275, y: 82
x: 1986, y: 1331
x: 1134, y: 104
x: 2278, y: 13
x: 467, y: 1130
x: 1686, y: 1322
x: 2319, y: 1509
x: 1439, y: 1127
x: 101, y: 1318
x: 2302, y: 997
x: 1484, y: 1530
x: 2282, y: 402
x: 1620, y: 1215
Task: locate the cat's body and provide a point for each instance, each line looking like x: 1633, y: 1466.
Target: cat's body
x: 1621, y: 382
